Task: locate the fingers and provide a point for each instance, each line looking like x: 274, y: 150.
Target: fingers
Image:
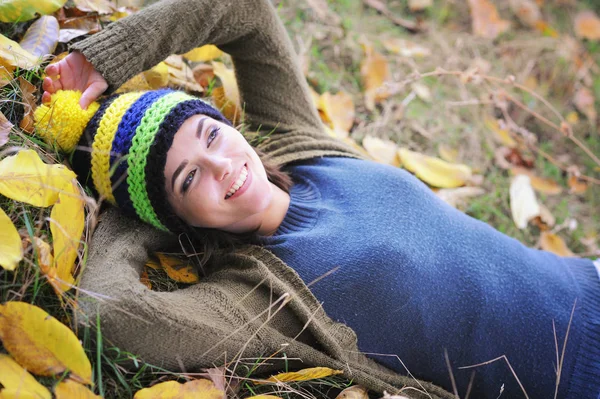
x: 46, y: 97
x: 92, y: 93
x: 53, y: 70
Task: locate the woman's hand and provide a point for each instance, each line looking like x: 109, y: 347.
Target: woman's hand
x: 74, y: 72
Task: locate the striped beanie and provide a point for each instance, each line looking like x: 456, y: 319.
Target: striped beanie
x: 120, y: 146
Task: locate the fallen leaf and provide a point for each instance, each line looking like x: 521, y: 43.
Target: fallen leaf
x: 527, y: 11
x: 69, y: 389
x: 545, y: 29
x: 99, y: 6
x: 5, y: 128
x: 178, y: 269
x: 196, y: 389
x: 543, y: 185
x: 14, y: 378
x: 576, y: 186
x: 42, y: 344
x: 12, y: 54
x: 572, y: 117
x: 383, y: 151
x: 546, y: 216
x: 121, y: 13
x: 205, y: 53
x: 419, y: 5
x: 264, y: 397
x: 457, y: 197
x: 67, y: 220
x: 587, y: 25
x: 338, y: 112
x: 29, y: 104
x: 227, y: 96
x: 25, y: 178
x: 180, y: 75
x: 157, y: 76
x: 204, y: 75
x: 405, y: 48
x: 448, y: 154
x: 353, y: 392
x: 11, y: 251
x: 88, y: 23
x: 374, y: 72
x: 422, y: 91
x: 486, y: 20
x: 585, y: 102
x: 66, y: 35
x: 523, y: 203
x: 501, y: 135
x: 304, y: 375
x: 145, y: 279
x: 45, y: 258
x: 322, y: 11
x: 24, y: 10
x: 552, y: 243
x: 41, y: 37
x: 434, y: 171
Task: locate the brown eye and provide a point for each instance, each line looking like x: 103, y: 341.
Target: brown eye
x: 212, y: 135
x: 188, y: 180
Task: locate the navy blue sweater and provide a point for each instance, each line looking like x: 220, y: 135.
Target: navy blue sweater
x: 416, y: 279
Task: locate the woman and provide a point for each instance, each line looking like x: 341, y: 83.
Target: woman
x: 427, y: 289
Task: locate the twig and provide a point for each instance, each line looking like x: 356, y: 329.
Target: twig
x: 411, y: 26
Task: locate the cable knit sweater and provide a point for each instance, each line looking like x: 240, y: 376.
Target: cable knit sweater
x: 251, y: 304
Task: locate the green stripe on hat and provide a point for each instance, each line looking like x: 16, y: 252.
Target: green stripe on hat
x: 140, y: 147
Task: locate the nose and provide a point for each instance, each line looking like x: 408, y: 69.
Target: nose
x: 219, y: 165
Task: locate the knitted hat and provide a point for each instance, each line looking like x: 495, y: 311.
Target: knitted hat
x: 122, y: 145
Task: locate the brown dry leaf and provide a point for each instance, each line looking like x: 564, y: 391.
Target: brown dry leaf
x: 6, y: 72
x: 69, y: 389
x: 312, y: 373
x: 457, y: 197
x: 501, y: 135
x: 66, y: 35
x: 553, y: 243
x: 99, y: 6
x: 67, y: 221
x: 585, y: 102
x: 546, y: 217
x: 405, y: 48
x: 180, y: 75
x: 42, y: 344
x: 576, y: 186
x: 543, y: 185
x: 383, y: 151
x: 14, y: 378
x: 337, y: 110
x: 5, y: 128
x: 523, y: 203
x: 178, y: 269
x: 434, y: 171
x: 41, y: 37
x: 374, y: 72
x: 227, y: 96
x: 87, y: 23
x: 486, y: 20
x: 527, y: 11
x: 448, y: 154
x: 13, y: 55
x: 11, y: 251
x: 205, y: 53
x: 145, y: 279
x: 27, y: 92
x: 587, y: 25
x: 196, y: 389
x: 419, y: 5
x: 353, y: 392
x: 204, y: 74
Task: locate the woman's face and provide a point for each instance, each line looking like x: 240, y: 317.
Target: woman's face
x: 214, y: 178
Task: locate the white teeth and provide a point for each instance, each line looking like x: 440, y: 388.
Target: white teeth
x: 238, y: 183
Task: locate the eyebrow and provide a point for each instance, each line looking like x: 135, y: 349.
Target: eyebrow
x: 185, y: 162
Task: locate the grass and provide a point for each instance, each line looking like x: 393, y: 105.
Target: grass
x: 335, y: 56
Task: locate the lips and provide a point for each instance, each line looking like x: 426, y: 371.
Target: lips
x: 240, y: 184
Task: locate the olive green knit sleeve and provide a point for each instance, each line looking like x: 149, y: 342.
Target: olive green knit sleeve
x: 273, y: 90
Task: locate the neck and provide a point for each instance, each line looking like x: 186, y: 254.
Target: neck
x: 275, y: 213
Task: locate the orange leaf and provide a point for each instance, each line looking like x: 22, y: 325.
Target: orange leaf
x: 486, y: 20
x: 374, y: 71
x: 178, y: 269
x: 27, y: 91
x: 576, y: 186
x: 145, y: 279
x: 543, y: 185
x: 587, y: 25
x: 337, y: 112
x: 553, y: 243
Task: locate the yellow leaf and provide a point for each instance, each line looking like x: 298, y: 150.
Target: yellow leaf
x: 353, y: 392
x: 305, y: 375
x: 99, y: 6
x: 17, y: 394
x: 66, y: 224
x: 69, y: 389
x: 543, y: 185
x: 486, y: 20
x: 24, y: 10
x: 42, y: 344
x: 24, y: 177
x: 44, y: 254
x: 523, y: 204
x: 434, y: 171
x: 337, y: 112
x: 227, y: 97
x: 572, y: 117
x: 553, y: 243
x: 153, y: 264
x: 42, y: 36
x: 502, y: 135
x: 196, y: 389
x: 263, y: 397
x: 202, y: 54
x: 448, y: 154
x: 374, y: 71
x: 178, y: 269
x: 12, y: 54
x: 383, y: 151
x: 11, y: 251
x: 16, y: 379
x: 157, y: 76
x: 587, y: 25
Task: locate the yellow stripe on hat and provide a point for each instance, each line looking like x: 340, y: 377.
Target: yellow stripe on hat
x: 102, y: 146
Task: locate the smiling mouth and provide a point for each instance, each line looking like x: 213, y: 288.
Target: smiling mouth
x: 239, y: 183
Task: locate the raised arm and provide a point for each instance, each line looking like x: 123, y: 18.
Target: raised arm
x: 274, y: 93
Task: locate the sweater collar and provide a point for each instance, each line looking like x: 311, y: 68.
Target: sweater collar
x: 303, y: 212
